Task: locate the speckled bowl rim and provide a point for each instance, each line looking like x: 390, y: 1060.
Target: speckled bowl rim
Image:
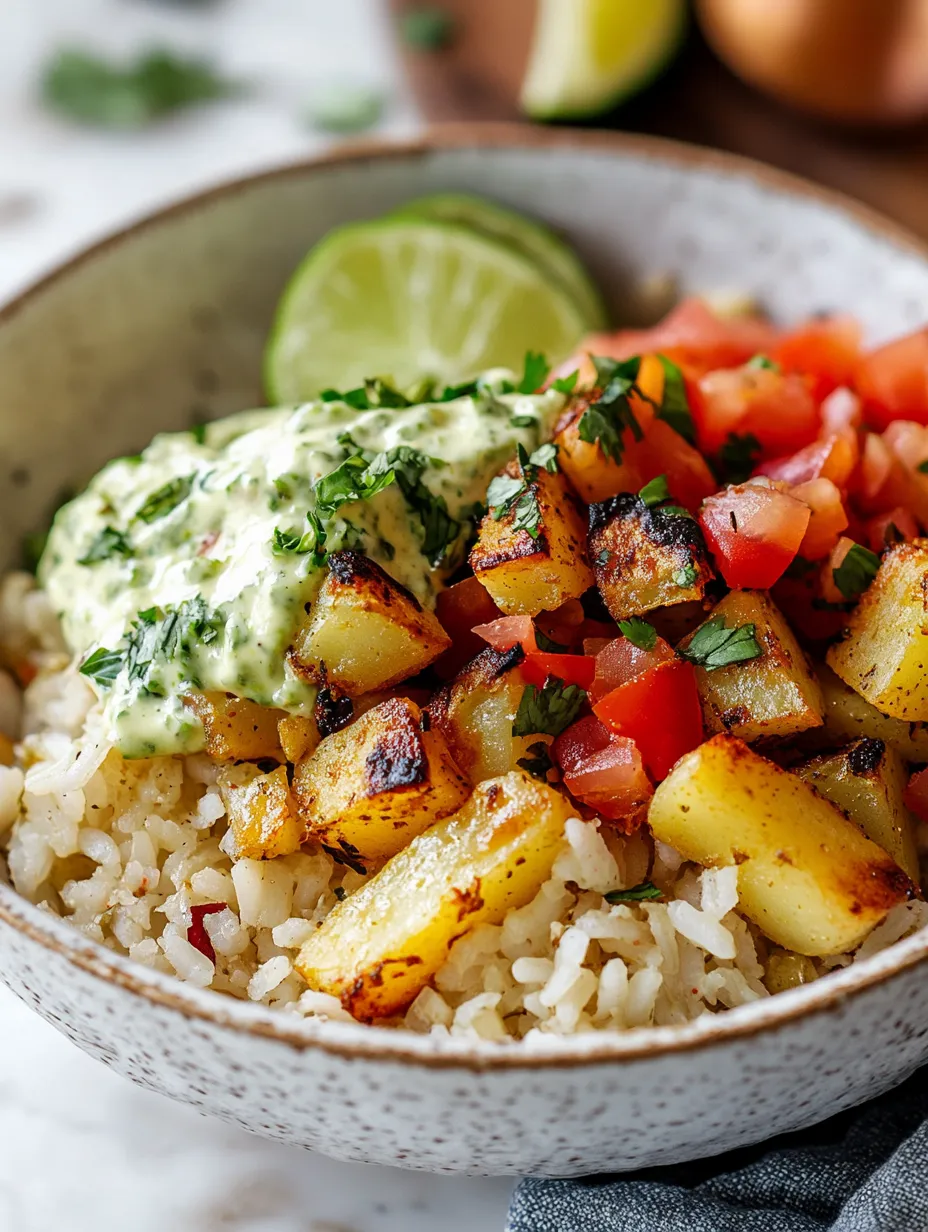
x: 355, y: 1041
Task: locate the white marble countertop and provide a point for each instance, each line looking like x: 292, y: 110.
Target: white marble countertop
x: 81, y: 1150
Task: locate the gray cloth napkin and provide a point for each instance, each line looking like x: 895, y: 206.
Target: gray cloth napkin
x: 862, y: 1171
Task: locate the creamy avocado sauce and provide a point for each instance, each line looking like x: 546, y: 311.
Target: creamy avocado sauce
x: 191, y: 564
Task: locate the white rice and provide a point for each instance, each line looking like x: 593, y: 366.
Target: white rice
x: 124, y: 849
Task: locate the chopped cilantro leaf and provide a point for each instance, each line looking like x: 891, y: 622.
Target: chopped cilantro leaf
x: 674, y: 405
x: 198, y: 432
x: 605, y: 420
x: 604, y: 558
x: 108, y: 542
x: 763, y: 361
x: 167, y: 634
x: 538, y: 763
x: 103, y: 666
x: 165, y: 499
x: 545, y: 457
x: 566, y: 384
x: 468, y: 389
x: 524, y: 421
x: 534, y: 371
x: 654, y: 492
x: 549, y: 710
x: 737, y: 457
x: 312, y: 540
x: 515, y: 495
x: 547, y: 644
x: 639, y: 632
x: 714, y: 645
x: 856, y: 571
x: 637, y: 894
x: 685, y: 576
x: 923, y: 467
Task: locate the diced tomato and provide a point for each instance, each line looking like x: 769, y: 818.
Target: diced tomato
x: 832, y: 458
x: 916, y: 795
x: 828, y: 518
x: 508, y: 631
x: 828, y: 350
x: 603, y: 770
x: 842, y: 414
x: 660, y: 711
x: 197, y: 934
x: 664, y: 452
x: 622, y: 661
x: 876, y: 464
x: 893, y: 381
x: 754, y: 531
x: 775, y: 407
x: 907, y: 485
x: 572, y: 669
x: 895, y: 526
x: 564, y: 624
x: 579, y: 741
x: 460, y: 608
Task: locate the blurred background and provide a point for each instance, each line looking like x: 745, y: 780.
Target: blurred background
x: 111, y: 108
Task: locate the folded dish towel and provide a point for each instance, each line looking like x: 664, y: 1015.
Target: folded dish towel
x: 862, y: 1171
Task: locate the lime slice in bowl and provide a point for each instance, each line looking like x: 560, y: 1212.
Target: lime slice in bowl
x: 532, y: 239
x: 404, y: 299
x: 587, y: 55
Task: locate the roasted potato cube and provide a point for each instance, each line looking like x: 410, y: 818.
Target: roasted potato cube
x: 298, y: 736
x: 382, y: 945
x: 529, y: 572
x: 848, y: 716
x: 595, y: 476
x: 645, y: 558
x: 370, y: 788
x: 475, y: 713
x: 884, y: 653
x: 365, y: 631
x: 807, y: 876
x: 772, y: 695
x: 263, y: 820
x: 867, y: 782
x: 235, y: 728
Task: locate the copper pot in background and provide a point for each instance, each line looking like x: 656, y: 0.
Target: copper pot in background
x: 860, y: 61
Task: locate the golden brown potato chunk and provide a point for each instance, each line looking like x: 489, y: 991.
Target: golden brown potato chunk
x: 382, y: 945
x: 807, y: 876
x: 848, y: 716
x: 365, y: 631
x: 237, y: 729
x: 526, y: 571
x: 298, y: 736
x: 645, y: 558
x: 369, y: 789
x: 775, y: 694
x: 263, y: 820
x: 884, y: 653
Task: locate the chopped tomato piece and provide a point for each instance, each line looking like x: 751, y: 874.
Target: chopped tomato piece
x: 828, y: 350
x: 842, y: 414
x: 459, y: 608
x: 828, y: 518
x: 754, y: 531
x: 660, y: 711
x: 577, y: 742
x: 603, y: 770
x: 776, y: 408
x: 908, y: 483
x: 876, y: 464
x: 509, y: 631
x: 572, y: 669
x: 563, y: 625
x: 833, y: 457
x: 893, y: 381
x: 916, y: 795
x: 622, y: 661
x: 197, y: 934
x: 895, y: 526
x: 664, y: 452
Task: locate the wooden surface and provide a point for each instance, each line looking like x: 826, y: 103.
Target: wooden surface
x: 478, y: 76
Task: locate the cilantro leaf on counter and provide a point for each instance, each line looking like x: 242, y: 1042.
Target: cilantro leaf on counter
x: 714, y: 645
x: 165, y: 499
x: 856, y: 571
x: 549, y: 710
x: 106, y: 543
x: 85, y: 87
x: 637, y: 894
x: 639, y: 632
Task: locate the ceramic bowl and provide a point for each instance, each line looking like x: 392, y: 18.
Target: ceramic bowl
x: 165, y: 322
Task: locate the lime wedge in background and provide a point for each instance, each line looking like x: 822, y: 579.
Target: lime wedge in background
x: 587, y: 55
x: 403, y: 298
x: 525, y: 235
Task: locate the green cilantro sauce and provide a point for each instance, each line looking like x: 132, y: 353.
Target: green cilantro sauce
x: 191, y: 567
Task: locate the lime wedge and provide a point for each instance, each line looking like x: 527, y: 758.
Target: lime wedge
x: 587, y: 55
x: 404, y: 299
x: 532, y: 239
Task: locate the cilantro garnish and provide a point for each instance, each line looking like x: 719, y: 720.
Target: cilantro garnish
x: 155, y: 634
x: 539, y: 762
x: 856, y: 571
x: 534, y: 371
x: 103, y: 666
x: 605, y: 420
x: 763, y: 361
x: 637, y: 894
x: 685, y: 576
x: 923, y: 467
x: 165, y: 499
x: 654, y: 492
x: 106, y: 543
x: 312, y: 540
x: 548, y: 710
x: 515, y: 495
x: 566, y: 384
x: 370, y: 396
x: 87, y: 88
x: 547, y: 644
x: 738, y: 457
x: 674, y: 405
x: 524, y: 421
x: 468, y: 389
x: 639, y: 632
x: 714, y: 645
x: 198, y: 432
